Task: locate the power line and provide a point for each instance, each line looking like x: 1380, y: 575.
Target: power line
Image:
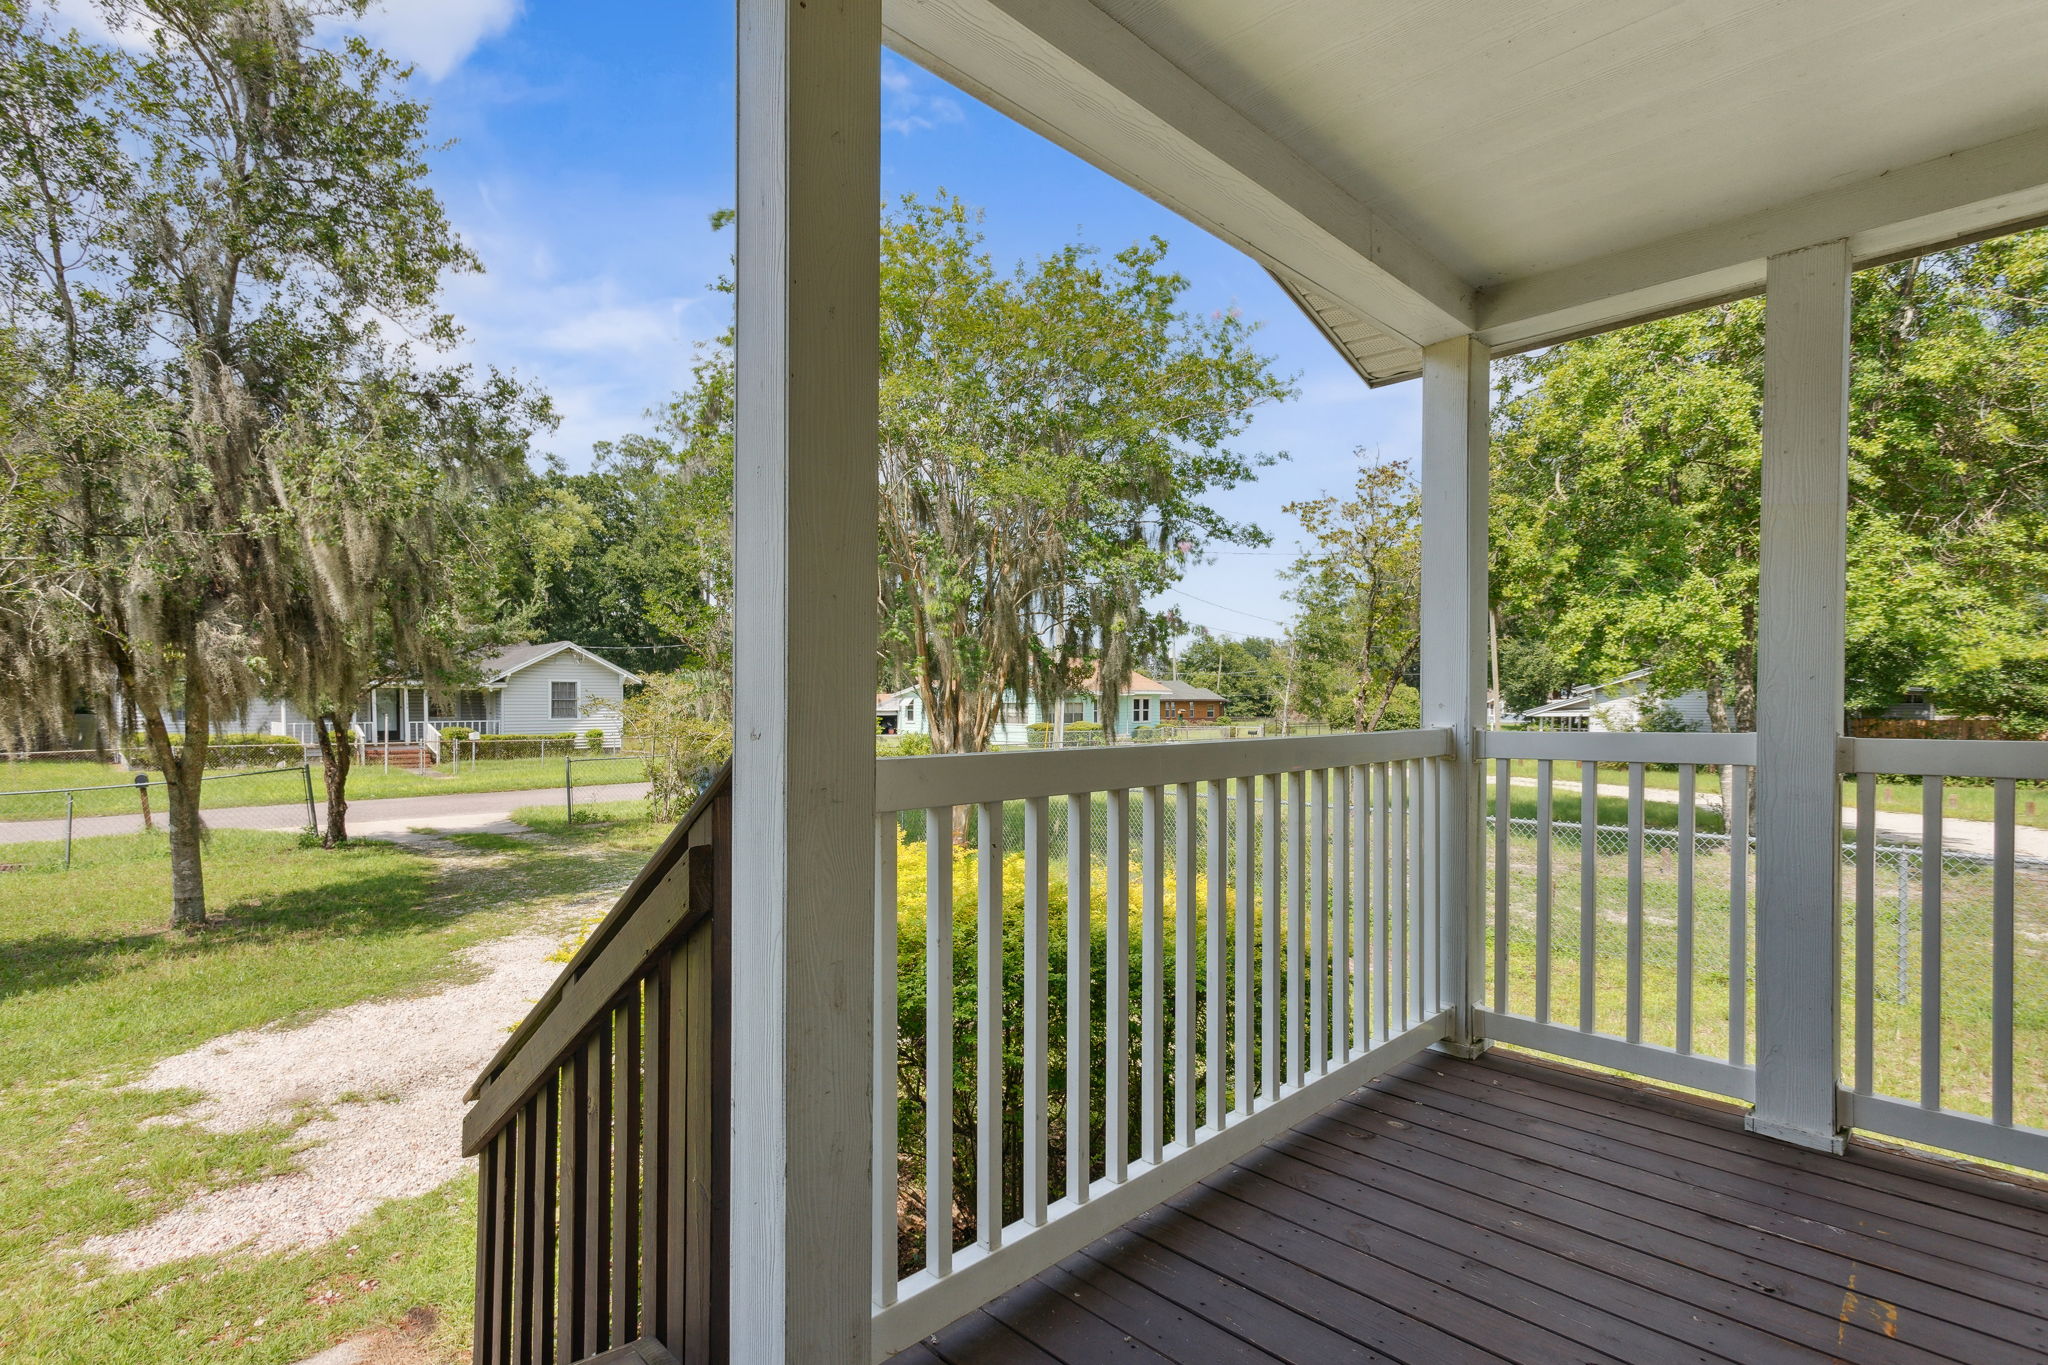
x: 1183, y: 592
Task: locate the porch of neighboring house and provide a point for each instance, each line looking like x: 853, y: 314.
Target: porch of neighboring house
x: 401, y: 724
x: 1259, y: 1101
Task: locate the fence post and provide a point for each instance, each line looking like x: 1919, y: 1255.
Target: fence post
x: 70, y: 807
x: 312, y: 816
x: 142, y: 790
x: 568, y: 791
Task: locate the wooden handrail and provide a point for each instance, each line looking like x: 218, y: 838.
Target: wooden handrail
x: 600, y: 1129
x: 658, y: 867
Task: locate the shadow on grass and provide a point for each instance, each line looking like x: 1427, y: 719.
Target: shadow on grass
x: 389, y: 902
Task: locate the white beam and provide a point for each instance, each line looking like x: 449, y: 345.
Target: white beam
x: 1975, y: 193
x: 1455, y: 393
x: 1802, y: 572
x: 1075, y: 75
x: 804, y: 636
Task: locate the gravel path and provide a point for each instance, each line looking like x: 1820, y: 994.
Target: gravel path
x: 402, y: 1064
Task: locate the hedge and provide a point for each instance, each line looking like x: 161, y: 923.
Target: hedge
x: 227, y: 751
x: 506, y: 746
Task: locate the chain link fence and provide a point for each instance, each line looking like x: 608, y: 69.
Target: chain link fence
x: 591, y: 779
x: 51, y: 827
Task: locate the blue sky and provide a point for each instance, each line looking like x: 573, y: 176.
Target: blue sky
x: 593, y: 139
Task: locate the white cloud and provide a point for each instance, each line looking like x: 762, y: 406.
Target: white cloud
x: 913, y: 102
x: 86, y: 18
x: 436, y: 35
x: 615, y: 328
x: 433, y: 35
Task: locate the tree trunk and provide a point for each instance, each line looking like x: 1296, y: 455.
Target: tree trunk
x: 335, y: 756
x: 184, y: 768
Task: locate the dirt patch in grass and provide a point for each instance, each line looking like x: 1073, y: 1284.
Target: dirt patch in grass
x: 373, y: 1091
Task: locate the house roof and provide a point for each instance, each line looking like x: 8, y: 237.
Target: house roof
x: 514, y: 658
x: 1585, y: 697
x: 1187, y: 691
x: 1137, y: 685
x: 888, y: 703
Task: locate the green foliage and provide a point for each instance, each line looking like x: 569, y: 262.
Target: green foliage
x: 1251, y: 673
x: 680, y: 722
x: 1084, y: 727
x: 1358, y: 587
x: 1050, y: 438
x: 1626, y: 493
x: 227, y: 751
x: 903, y: 746
x: 238, y: 474
x: 593, y: 739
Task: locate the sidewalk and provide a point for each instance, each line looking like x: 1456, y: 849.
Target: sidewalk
x: 1959, y: 836
x: 386, y: 815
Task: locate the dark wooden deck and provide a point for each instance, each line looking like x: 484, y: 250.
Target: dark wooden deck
x: 1508, y: 1210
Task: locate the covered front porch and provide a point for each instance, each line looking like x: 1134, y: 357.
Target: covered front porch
x: 1201, y: 1049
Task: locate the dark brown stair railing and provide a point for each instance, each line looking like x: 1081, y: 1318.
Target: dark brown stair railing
x: 600, y: 1131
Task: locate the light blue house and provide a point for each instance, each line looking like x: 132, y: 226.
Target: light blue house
x: 1142, y: 703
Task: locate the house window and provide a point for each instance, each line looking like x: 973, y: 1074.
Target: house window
x: 1073, y: 711
x: 562, y: 700
x: 1141, y: 710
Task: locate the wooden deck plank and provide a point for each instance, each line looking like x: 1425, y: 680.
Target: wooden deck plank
x: 1251, y: 1261
x: 1981, y: 1193
x: 1297, y: 1228
x: 1670, y: 1290
x: 2019, y: 1232
x: 1689, y: 1333
x: 1752, y: 1260
x: 1221, y: 1297
x: 1159, y: 1323
x: 1506, y: 1209
x: 1790, y: 1240
x: 1398, y: 1095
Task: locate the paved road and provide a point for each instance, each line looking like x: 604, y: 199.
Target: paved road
x: 1961, y: 836
x: 386, y: 815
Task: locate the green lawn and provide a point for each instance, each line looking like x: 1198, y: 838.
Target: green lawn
x: 239, y: 787
x: 93, y: 990
x: 1958, y: 801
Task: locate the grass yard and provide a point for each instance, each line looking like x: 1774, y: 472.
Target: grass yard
x: 242, y: 787
x: 93, y: 990
x: 1959, y: 801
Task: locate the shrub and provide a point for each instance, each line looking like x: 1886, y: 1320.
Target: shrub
x: 903, y: 746
x: 593, y: 740
x: 1084, y: 727
x: 508, y: 746
x: 227, y: 751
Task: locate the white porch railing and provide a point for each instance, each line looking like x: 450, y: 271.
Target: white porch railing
x: 1944, y: 1045
x: 1283, y: 895
x: 1637, y: 935
x: 1965, y: 1065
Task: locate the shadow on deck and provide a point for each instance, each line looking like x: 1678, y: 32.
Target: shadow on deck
x: 1506, y: 1209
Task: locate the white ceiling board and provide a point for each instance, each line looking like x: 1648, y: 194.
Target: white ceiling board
x: 1544, y: 167
x: 1518, y: 139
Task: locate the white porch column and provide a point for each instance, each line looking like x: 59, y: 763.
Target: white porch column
x: 1456, y: 387
x: 804, y: 637
x: 1803, y: 570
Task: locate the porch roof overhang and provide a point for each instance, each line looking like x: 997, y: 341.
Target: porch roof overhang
x: 1419, y: 171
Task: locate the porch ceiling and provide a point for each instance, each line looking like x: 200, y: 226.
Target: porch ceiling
x: 1528, y: 172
